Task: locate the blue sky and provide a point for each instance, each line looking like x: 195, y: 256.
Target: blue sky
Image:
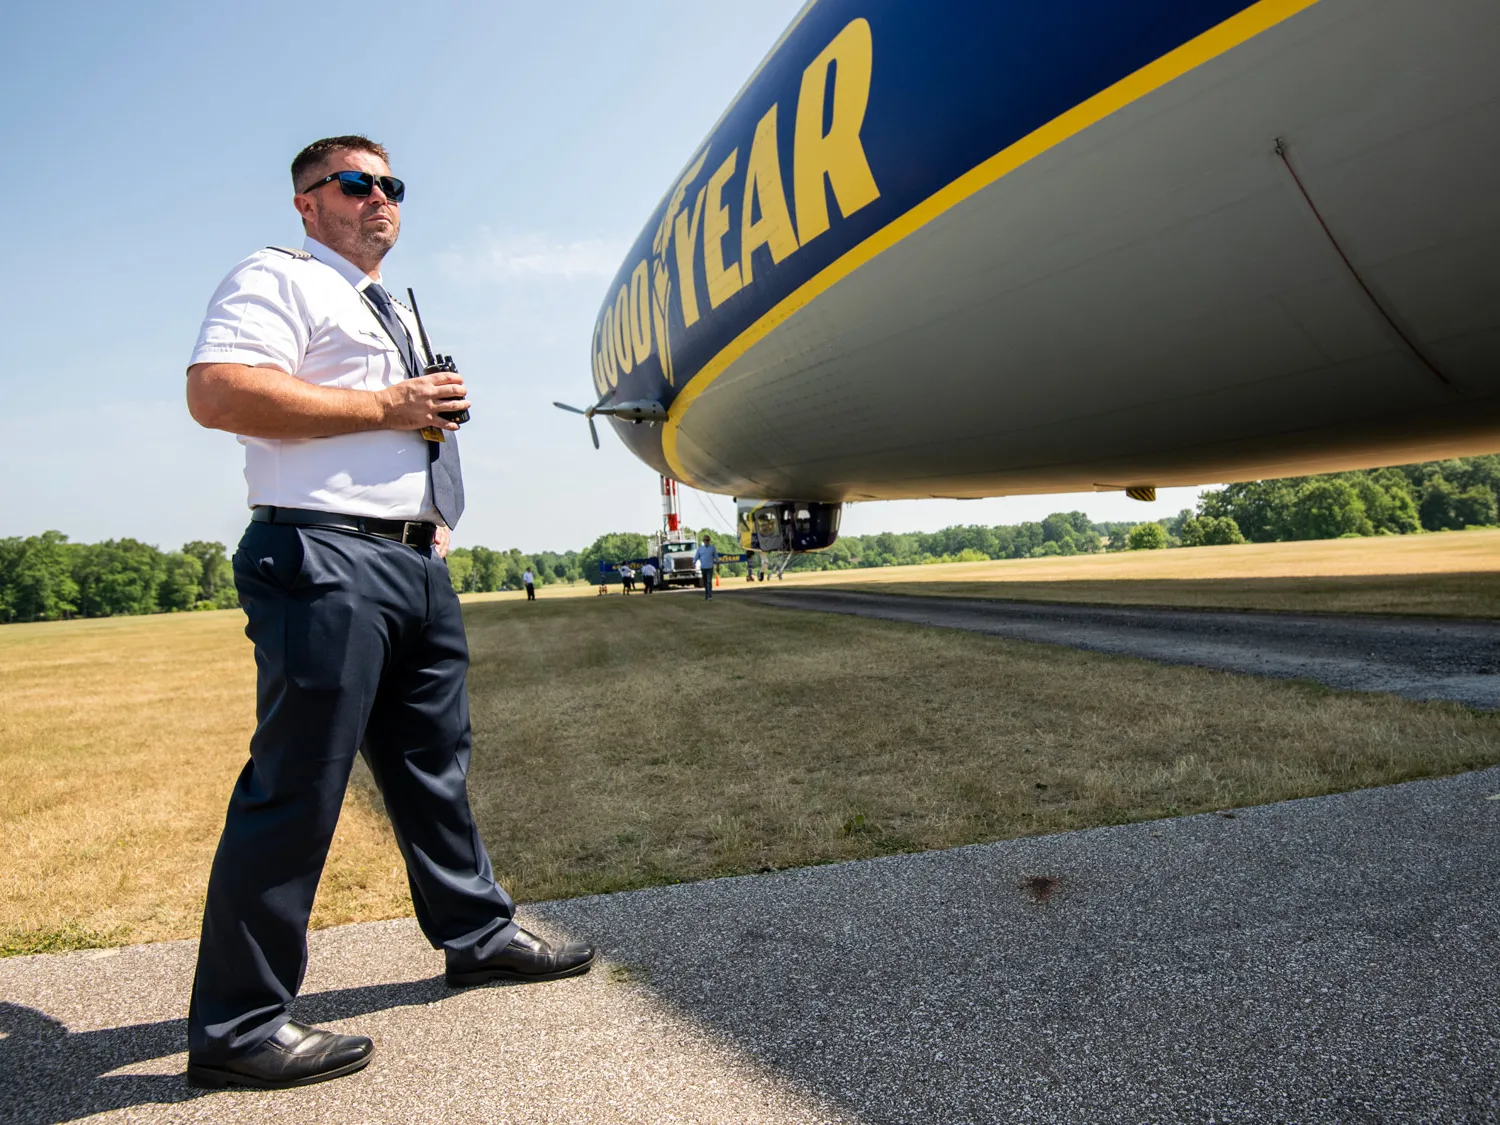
x: 146, y: 151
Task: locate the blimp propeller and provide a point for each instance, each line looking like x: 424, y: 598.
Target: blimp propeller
x: 630, y: 411
x: 589, y: 414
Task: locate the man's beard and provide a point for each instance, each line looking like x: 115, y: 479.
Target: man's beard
x: 367, y: 241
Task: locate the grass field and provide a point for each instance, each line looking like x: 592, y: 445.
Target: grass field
x: 119, y: 742
x: 627, y: 741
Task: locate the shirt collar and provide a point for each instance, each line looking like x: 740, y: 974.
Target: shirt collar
x: 347, y: 269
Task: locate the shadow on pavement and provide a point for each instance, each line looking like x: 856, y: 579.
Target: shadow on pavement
x: 49, y: 1074
x: 1327, y: 960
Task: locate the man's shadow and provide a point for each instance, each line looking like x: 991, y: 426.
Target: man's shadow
x: 49, y: 1074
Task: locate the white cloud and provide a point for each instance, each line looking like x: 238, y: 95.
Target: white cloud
x: 495, y: 257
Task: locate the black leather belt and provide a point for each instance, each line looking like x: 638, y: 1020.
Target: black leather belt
x: 410, y: 532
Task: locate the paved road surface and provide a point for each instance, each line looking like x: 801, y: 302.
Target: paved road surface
x: 1326, y: 960
x: 1420, y: 658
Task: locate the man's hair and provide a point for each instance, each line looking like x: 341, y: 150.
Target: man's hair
x: 319, y: 151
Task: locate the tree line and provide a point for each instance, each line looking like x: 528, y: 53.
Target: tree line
x: 1429, y: 496
x: 44, y: 578
x: 47, y: 578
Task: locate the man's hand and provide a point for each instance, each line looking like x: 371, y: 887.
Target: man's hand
x: 413, y: 404
x: 440, y: 540
x: 267, y: 402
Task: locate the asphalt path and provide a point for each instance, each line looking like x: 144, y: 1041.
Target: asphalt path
x: 1324, y: 960
x: 1419, y: 658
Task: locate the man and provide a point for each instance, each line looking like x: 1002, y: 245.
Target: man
x: 707, y: 557
x: 359, y: 643
x: 528, y: 580
x: 627, y: 578
x: 648, y: 575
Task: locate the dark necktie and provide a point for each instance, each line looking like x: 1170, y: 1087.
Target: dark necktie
x: 447, y: 472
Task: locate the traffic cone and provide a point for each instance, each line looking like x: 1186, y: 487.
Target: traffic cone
x: 718, y: 578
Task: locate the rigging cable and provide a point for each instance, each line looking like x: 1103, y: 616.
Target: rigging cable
x: 1281, y: 151
x: 712, y: 509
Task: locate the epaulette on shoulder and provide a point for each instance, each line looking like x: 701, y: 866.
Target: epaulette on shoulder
x: 301, y: 255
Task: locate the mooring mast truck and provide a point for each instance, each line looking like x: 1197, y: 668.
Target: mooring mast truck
x: 674, y: 558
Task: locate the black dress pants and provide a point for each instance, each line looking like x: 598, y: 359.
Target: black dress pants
x: 359, y: 647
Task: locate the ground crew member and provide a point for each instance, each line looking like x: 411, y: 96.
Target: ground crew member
x: 707, y: 557
x: 359, y: 642
x: 648, y: 575
x: 627, y: 578
x: 528, y: 580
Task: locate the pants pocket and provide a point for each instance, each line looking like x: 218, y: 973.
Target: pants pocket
x: 297, y: 591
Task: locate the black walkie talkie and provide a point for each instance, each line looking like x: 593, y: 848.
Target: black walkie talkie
x: 435, y: 363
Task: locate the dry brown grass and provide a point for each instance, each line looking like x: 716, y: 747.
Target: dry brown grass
x: 119, y: 742
x: 621, y: 742
x: 626, y: 742
x: 1448, y: 574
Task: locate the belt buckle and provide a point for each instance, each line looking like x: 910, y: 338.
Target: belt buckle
x: 408, y: 528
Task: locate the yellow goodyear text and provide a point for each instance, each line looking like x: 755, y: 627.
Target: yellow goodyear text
x: 696, y: 227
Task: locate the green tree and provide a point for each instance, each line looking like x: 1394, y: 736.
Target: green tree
x: 489, y: 569
x: 1259, y: 508
x: 1474, y: 507
x: 1327, y: 509
x: 1209, y: 531
x: 216, y: 586
x: 1390, y: 504
x: 181, y: 583
x: 1072, y: 532
x: 1147, y: 537
x: 460, y: 569
x: 118, y: 576
x: 1436, y: 505
x: 1173, y: 525
x: 36, y: 581
x: 1114, y: 535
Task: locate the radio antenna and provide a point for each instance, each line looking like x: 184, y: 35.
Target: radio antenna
x: 421, y: 331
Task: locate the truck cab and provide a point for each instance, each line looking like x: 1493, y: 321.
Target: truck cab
x: 674, y: 555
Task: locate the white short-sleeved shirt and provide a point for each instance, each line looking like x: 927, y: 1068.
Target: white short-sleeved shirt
x: 307, y: 317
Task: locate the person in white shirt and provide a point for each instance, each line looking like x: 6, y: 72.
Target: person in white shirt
x: 707, y: 557
x: 648, y: 575
x: 352, y: 465
x: 627, y: 578
x: 529, y: 581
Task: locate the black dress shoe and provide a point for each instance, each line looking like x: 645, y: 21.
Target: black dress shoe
x: 528, y: 958
x: 297, y: 1055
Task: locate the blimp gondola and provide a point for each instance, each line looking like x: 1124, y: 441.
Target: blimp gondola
x: 984, y: 248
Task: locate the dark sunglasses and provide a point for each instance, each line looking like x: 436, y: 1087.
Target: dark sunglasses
x: 361, y: 184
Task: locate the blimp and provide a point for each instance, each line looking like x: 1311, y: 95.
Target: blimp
x: 985, y: 248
